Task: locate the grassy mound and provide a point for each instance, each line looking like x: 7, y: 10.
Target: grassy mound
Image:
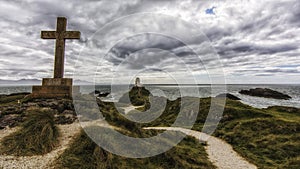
x: 138, y: 96
x: 38, y: 135
x: 84, y: 153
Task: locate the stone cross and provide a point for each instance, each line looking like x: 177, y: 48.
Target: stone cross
x: 60, y: 35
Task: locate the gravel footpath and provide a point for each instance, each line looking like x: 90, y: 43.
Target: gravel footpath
x: 219, y: 152
x: 129, y: 108
x: 42, y: 161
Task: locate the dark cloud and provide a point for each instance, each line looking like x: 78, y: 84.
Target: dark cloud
x: 263, y: 74
x: 148, y: 42
x: 255, y: 49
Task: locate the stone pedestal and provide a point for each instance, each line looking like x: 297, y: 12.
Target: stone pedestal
x: 55, y: 88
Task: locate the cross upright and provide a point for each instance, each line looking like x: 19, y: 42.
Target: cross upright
x: 60, y: 35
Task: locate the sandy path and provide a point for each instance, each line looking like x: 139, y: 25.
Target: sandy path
x: 127, y: 109
x: 43, y: 161
x: 219, y: 152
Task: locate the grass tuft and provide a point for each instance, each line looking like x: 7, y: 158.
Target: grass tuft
x: 38, y: 135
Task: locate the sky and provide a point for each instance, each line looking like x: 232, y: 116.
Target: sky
x: 160, y: 41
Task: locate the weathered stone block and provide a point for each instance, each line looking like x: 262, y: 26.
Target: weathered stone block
x: 55, y: 88
x: 57, y: 82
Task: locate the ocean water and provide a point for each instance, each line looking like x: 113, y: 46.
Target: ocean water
x: 173, y: 91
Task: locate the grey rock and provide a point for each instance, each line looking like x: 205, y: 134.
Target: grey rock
x: 228, y: 95
x: 265, y: 92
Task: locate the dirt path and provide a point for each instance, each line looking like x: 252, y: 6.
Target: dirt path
x: 43, y: 161
x: 127, y: 109
x: 219, y: 152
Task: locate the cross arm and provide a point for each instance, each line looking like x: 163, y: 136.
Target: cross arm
x: 48, y: 35
x: 72, y: 35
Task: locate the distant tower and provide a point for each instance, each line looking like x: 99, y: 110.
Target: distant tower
x: 138, y: 82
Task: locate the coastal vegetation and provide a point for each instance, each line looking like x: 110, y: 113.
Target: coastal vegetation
x: 84, y: 153
x: 38, y: 135
x: 268, y: 138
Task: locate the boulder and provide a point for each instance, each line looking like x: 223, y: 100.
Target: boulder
x: 12, y: 109
x: 228, y: 95
x: 69, y: 112
x: 10, y: 120
x: 266, y: 93
x: 99, y: 93
x: 65, y: 119
x: 104, y: 94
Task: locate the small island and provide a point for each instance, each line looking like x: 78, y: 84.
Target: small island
x: 266, y: 93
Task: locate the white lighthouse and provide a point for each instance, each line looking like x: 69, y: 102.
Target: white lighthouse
x: 138, y: 82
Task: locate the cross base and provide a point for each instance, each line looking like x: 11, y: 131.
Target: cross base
x: 55, y: 88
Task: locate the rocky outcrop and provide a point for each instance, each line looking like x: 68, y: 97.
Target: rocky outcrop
x: 12, y: 109
x: 98, y: 93
x: 228, y: 95
x: 137, y: 96
x: 10, y: 120
x: 11, y: 115
x: 265, y: 92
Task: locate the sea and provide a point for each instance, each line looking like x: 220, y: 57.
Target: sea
x: 172, y: 92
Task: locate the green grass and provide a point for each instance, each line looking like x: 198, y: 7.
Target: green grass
x: 84, y: 153
x: 269, y: 138
x: 293, y: 163
x: 37, y: 135
x: 289, y: 114
x: 267, y: 142
x: 11, y: 99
